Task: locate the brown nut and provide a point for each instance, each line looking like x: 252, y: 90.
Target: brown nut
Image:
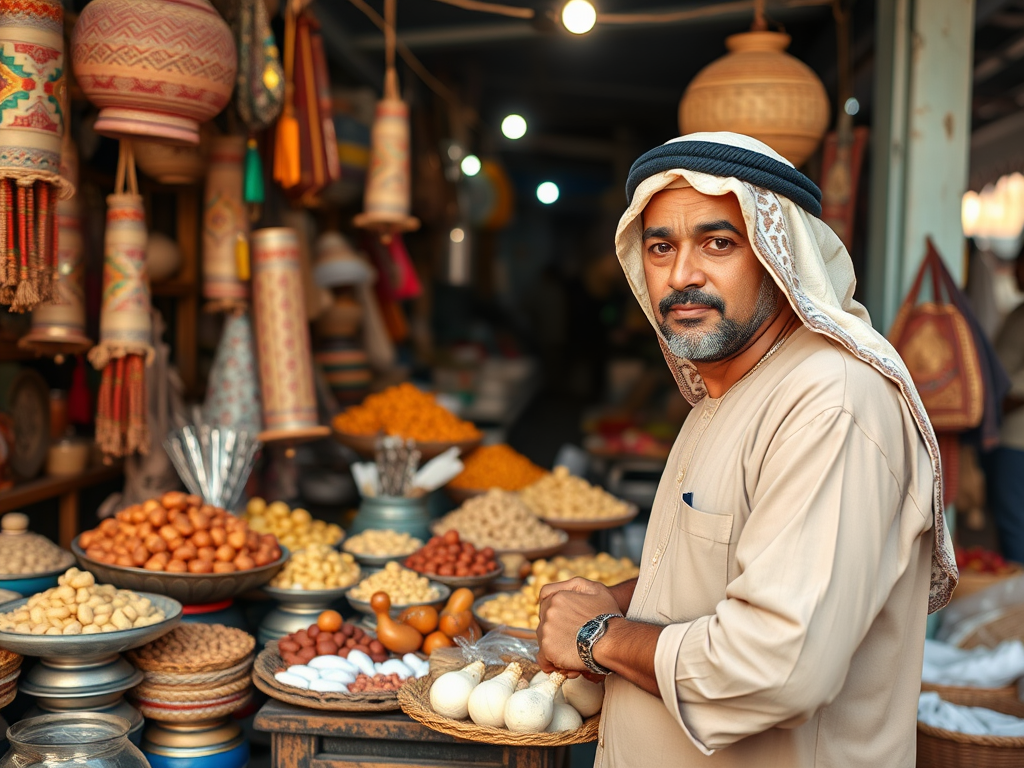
x: 201, y: 538
x: 219, y: 535
x: 185, y: 552
x: 139, y: 556
x: 184, y: 526
x: 155, y: 543
x: 219, y: 567
x: 226, y: 553
x: 200, y: 566
x: 207, y: 553
x: 176, y: 566
x: 158, y: 517
x: 237, y: 538
x: 174, y: 500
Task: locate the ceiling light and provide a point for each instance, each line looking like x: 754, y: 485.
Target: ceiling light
x: 579, y: 16
x: 457, y: 235
x: 513, y: 127
x: 547, y: 192
x: 471, y: 165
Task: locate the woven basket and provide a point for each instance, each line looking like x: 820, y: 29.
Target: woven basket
x: 938, y: 748
x: 203, y: 679
x: 9, y: 662
x: 195, y: 712
x: 8, y: 697
x: 1008, y: 626
x: 973, y: 581
x: 1003, y: 699
x: 191, y: 694
x: 244, y: 645
x: 414, y: 697
x: 269, y: 662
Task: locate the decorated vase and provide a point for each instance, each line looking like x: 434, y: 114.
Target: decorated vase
x: 155, y: 68
x: 31, y: 87
x: 224, y: 222
x: 760, y: 90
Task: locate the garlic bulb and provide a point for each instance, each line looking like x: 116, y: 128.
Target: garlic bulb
x: 584, y: 696
x: 541, y: 677
x: 487, y: 702
x: 449, y: 694
x: 564, y: 718
x: 530, y: 711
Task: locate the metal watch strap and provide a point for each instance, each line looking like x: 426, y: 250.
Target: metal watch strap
x: 588, y: 635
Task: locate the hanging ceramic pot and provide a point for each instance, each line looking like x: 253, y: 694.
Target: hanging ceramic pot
x: 760, y: 90
x: 225, y: 224
x: 387, y: 199
x: 59, y: 328
x: 173, y: 164
x: 32, y: 98
x: 282, y: 339
x: 155, y: 68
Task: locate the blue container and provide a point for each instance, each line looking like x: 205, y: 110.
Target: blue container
x: 217, y: 744
x: 30, y: 585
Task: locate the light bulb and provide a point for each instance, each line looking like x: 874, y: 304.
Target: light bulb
x: 457, y: 235
x: 471, y: 165
x: 513, y: 127
x: 579, y: 16
x: 852, y: 106
x: 547, y: 192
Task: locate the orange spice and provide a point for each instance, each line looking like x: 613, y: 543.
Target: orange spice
x: 497, y: 466
x: 407, y: 412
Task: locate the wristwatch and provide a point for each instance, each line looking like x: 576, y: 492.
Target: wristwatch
x: 589, y: 634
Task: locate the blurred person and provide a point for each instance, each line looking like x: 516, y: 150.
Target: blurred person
x: 797, y: 543
x: 1004, y: 466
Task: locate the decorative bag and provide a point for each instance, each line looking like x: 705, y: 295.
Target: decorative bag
x: 934, y: 340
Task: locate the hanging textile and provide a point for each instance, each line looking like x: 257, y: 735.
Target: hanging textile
x: 31, y: 127
x: 225, y: 226
x: 125, y: 324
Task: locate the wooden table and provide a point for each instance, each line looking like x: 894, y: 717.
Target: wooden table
x: 310, y: 738
x: 63, y: 488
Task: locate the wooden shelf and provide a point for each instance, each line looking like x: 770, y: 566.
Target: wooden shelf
x: 173, y: 287
x: 34, y: 491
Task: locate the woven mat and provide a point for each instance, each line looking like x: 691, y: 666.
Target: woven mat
x: 194, y: 680
x: 177, y: 651
x: 196, y: 712
x: 7, y: 698
x: 270, y: 662
x: 414, y: 697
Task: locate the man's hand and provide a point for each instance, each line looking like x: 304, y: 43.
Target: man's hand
x: 564, y: 608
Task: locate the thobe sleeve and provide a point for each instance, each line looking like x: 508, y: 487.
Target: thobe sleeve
x: 1009, y: 347
x: 823, y: 546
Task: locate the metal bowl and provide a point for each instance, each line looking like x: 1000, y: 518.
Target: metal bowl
x: 469, y: 582
x: 189, y: 588
x: 90, y: 646
x: 524, y: 633
x: 322, y: 597
x: 376, y: 561
x: 363, y: 606
x: 534, y: 553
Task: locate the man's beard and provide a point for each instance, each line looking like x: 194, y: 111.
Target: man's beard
x: 727, y: 337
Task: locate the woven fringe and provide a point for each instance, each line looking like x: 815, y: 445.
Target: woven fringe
x: 106, y: 351
x: 25, y: 297
x: 65, y: 189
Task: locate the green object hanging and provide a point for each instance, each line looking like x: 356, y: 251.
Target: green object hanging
x: 253, y: 174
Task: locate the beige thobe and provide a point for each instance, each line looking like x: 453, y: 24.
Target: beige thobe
x: 789, y: 556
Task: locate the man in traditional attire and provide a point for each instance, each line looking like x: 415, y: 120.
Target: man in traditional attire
x: 796, y: 542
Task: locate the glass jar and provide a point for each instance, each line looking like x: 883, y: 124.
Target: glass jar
x: 84, y: 739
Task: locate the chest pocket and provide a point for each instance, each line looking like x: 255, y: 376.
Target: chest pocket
x: 695, y: 571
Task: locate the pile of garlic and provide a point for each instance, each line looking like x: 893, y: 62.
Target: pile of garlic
x: 545, y: 704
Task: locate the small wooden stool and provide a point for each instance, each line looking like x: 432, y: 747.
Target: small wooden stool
x: 311, y: 738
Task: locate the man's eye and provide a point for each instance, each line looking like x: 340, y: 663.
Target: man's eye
x: 661, y: 249
x: 720, y: 244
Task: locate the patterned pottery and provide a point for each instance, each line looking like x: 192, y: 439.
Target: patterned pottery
x: 31, y: 87
x: 233, y: 392
x: 155, y: 68
x: 125, y: 319
x: 760, y: 90
x: 224, y: 222
x: 282, y: 338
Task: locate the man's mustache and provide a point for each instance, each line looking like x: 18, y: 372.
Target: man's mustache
x: 691, y: 296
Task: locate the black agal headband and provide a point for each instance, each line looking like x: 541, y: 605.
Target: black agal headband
x: 727, y: 160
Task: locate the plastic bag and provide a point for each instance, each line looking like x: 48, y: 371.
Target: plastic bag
x: 493, y: 649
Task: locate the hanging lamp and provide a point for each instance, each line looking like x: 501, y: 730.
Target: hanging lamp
x: 388, y: 196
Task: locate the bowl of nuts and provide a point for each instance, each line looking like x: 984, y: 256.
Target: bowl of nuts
x: 455, y: 563
x: 377, y: 547
x: 107, y: 621
x: 30, y: 562
x: 179, y: 547
x: 316, y: 574
x: 406, y: 588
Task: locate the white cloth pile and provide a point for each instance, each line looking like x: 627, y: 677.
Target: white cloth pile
x: 977, y: 721
x: 946, y: 664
